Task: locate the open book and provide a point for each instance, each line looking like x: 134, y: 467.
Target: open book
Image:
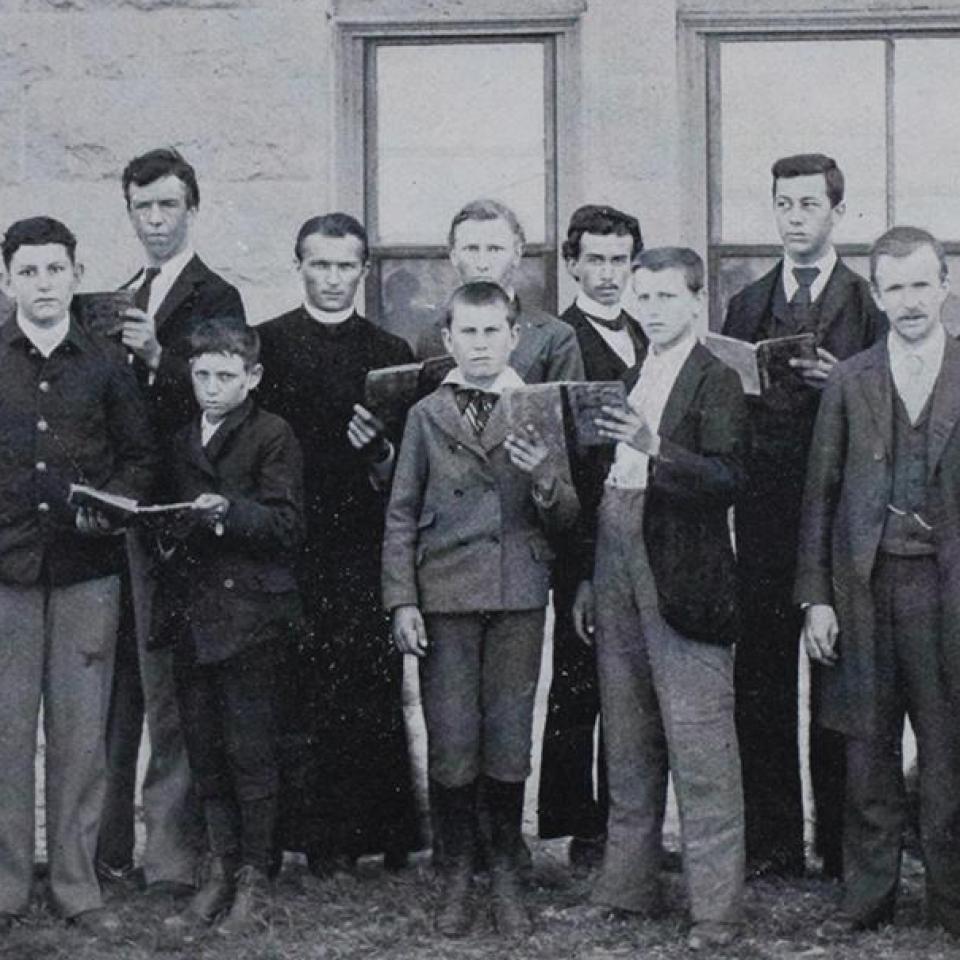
x: 764, y: 363
x: 390, y: 392
x: 126, y: 511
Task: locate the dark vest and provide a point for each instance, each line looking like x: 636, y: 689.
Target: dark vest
x: 904, y: 533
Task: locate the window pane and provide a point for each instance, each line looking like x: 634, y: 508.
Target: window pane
x: 414, y: 291
x: 927, y: 134
x: 810, y: 96
x: 456, y: 122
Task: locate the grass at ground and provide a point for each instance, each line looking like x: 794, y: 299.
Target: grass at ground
x: 372, y: 915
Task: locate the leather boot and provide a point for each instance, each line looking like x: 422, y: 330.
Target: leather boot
x: 454, y: 809
x: 251, y: 903
x: 505, y: 802
x: 212, y: 899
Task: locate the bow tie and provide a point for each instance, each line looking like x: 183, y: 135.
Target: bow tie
x: 617, y: 324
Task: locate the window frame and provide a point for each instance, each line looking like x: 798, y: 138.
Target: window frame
x: 701, y: 33
x: 361, y: 25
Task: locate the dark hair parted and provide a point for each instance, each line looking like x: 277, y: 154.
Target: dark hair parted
x: 485, y: 209
x: 808, y: 165
x: 602, y: 221
x: 480, y: 293
x: 669, y: 258
x: 900, y: 242
x: 157, y: 164
x: 227, y: 335
x: 333, y: 225
x: 37, y: 232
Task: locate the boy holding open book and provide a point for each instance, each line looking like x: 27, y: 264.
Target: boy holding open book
x: 229, y: 599
x: 466, y: 574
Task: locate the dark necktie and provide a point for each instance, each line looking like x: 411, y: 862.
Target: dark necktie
x: 801, y: 304
x: 141, y: 299
x: 476, y: 406
x: 616, y: 324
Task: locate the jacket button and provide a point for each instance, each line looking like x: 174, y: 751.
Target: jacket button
x: 41, y: 466
x: 44, y: 386
x: 878, y: 455
x: 494, y: 539
x: 228, y: 583
x: 42, y: 425
x: 43, y: 507
x: 458, y: 493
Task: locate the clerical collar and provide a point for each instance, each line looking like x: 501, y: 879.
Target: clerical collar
x: 328, y: 318
x: 508, y: 377
x: 45, y: 339
x: 593, y: 308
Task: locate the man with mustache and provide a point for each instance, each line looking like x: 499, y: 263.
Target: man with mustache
x: 809, y: 290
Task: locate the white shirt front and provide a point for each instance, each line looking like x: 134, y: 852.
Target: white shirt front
x: 45, y: 339
x: 329, y: 319
x: 915, y: 368
x: 649, y: 398
x: 208, y: 428
x: 619, y: 341
x: 165, y: 279
x: 825, y: 265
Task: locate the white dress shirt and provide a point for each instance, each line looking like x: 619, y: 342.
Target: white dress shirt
x: 619, y: 341
x: 825, y: 265
x: 649, y: 398
x: 915, y: 368
x: 45, y: 339
x: 208, y: 428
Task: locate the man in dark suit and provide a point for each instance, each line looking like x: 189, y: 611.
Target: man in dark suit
x: 879, y: 577
x: 661, y: 605
x: 809, y: 290
x: 600, y: 246
x: 486, y: 242
x: 348, y: 788
x: 174, y: 292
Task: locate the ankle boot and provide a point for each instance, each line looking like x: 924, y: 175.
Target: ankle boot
x: 505, y: 801
x: 454, y: 809
x: 251, y: 903
x: 213, y: 898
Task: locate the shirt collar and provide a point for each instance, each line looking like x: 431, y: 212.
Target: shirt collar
x: 328, y: 319
x: 173, y: 267
x: 45, y: 339
x: 825, y: 265
x: 507, y: 378
x: 676, y: 353
x: 930, y: 351
x: 593, y: 308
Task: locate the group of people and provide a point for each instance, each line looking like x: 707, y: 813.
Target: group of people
x: 252, y: 627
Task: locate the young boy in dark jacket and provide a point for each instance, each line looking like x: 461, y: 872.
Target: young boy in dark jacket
x: 466, y: 574
x: 230, y: 600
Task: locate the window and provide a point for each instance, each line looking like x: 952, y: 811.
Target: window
x: 449, y: 112
x: 873, y: 91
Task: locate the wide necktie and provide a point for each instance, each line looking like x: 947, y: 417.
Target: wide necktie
x: 141, y: 299
x: 801, y: 304
x: 476, y: 406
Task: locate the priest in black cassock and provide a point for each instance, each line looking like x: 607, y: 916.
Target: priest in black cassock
x: 347, y: 787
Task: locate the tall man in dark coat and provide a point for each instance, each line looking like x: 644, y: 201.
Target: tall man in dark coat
x: 348, y: 787
x: 600, y: 246
x: 486, y: 242
x: 879, y: 576
x: 809, y: 290
x: 174, y: 292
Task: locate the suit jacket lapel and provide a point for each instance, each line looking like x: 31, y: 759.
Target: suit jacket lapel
x: 197, y: 451
x: 945, y: 404
x: 833, y: 301
x: 182, y: 287
x: 876, y: 383
x: 684, y: 389
x: 495, y: 432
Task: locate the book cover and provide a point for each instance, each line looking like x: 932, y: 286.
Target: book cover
x: 101, y: 312
x: 539, y: 405
x: 774, y: 356
x: 390, y: 392
x: 587, y: 400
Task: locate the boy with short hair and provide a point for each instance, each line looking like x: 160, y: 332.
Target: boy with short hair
x: 466, y: 574
x: 70, y: 412
x: 229, y: 600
